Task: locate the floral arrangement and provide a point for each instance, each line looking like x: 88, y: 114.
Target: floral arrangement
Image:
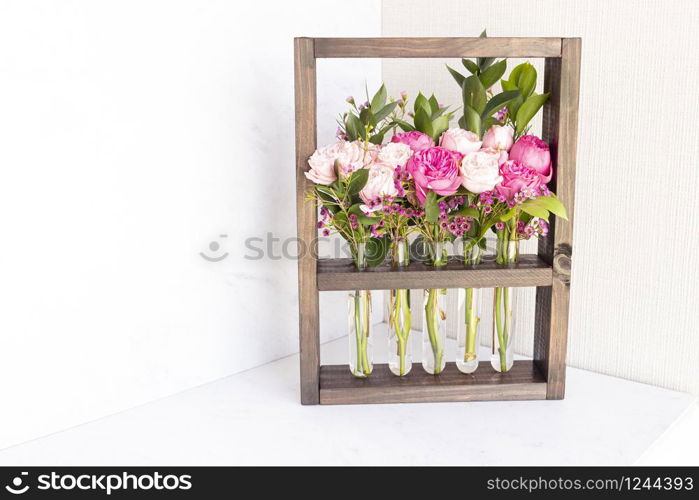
x: 395, y: 171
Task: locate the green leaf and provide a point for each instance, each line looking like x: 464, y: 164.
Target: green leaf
x: 376, y: 250
x: 552, y: 204
x: 462, y: 122
x: 366, y: 117
x: 472, y: 120
x: 357, y: 180
x: 471, y: 66
x: 474, y: 94
x: 534, y: 210
x: 489, y: 122
x: 385, y: 111
x: 422, y: 103
x: 523, y: 76
x: 484, y: 62
x: 457, y: 76
x: 379, y: 99
x: 431, y: 207
x: 376, y: 139
x: 509, y: 214
x: 353, y: 127
x: 404, y: 125
x: 340, y: 221
x: 498, y: 102
x: 434, y: 105
x: 438, y: 127
x: 527, y: 111
x: 467, y: 212
x: 491, y: 75
x: 423, y: 122
x: 362, y: 218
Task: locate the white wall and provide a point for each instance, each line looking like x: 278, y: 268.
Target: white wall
x: 133, y: 134
x: 634, y: 297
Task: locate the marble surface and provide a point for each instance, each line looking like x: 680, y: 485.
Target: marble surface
x: 254, y: 417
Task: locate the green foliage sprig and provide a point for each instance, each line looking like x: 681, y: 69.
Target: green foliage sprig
x: 370, y: 121
x: 428, y: 117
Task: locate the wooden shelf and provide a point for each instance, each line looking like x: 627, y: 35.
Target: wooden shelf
x: 523, y: 382
x: 340, y: 274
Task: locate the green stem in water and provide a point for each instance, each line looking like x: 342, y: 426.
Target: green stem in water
x: 471, y: 328
x: 499, y: 327
x: 432, y: 320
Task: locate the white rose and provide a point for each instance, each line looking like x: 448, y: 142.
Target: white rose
x: 498, y: 137
x: 395, y: 154
x: 379, y: 184
x: 480, y: 170
x: 350, y: 156
x: 458, y: 139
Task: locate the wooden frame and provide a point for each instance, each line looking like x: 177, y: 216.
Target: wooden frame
x: 549, y: 271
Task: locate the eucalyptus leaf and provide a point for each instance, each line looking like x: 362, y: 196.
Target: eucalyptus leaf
x: 527, y: 111
x: 472, y: 120
x: 458, y: 77
x: 471, y: 66
x: 423, y: 122
x: 385, y: 111
x: 491, y: 75
x: 431, y: 207
x: 357, y: 180
x: 498, y: 102
x: 404, y: 125
x: 474, y: 94
x: 438, y: 127
x: 379, y: 99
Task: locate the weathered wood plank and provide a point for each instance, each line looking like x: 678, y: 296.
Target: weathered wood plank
x: 306, y: 213
x: 437, y: 47
x: 560, y: 130
x: 522, y: 382
x: 340, y: 274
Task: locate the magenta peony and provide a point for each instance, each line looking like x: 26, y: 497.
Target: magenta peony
x: 534, y: 153
x: 517, y: 177
x: 416, y: 140
x: 498, y: 137
x: 458, y: 139
x: 435, y: 169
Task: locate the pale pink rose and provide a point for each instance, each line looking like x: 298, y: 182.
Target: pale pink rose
x: 480, y: 170
x: 458, y: 139
x: 380, y: 184
x: 435, y: 169
x: 350, y: 157
x: 517, y: 177
x: 416, y: 140
x: 498, y: 137
x: 503, y: 157
x: 534, y: 153
x: 395, y: 154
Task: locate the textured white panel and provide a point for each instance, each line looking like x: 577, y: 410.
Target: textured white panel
x: 634, y: 302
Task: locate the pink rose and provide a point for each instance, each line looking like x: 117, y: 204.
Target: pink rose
x: 395, y: 154
x: 435, y: 169
x: 381, y: 183
x: 534, y: 153
x: 498, y: 137
x: 458, y: 139
x: 350, y: 156
x: 416, y: 140
x: 517, y: 177
x: 479, y: 170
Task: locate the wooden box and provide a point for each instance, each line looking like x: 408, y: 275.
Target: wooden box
x: 549, y: 270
